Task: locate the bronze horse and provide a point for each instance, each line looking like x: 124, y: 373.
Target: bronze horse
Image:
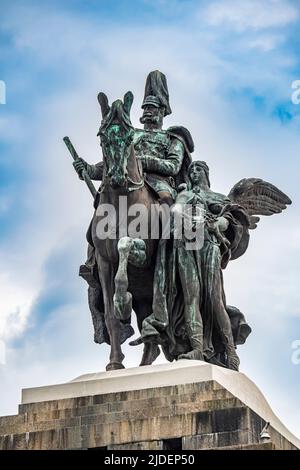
x: 125, y: 265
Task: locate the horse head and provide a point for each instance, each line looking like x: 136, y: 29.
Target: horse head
x: 116, y: 135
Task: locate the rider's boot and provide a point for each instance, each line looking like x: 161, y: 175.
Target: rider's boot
x: 89, y: 270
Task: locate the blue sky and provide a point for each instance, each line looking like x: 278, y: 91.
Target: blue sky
x: 230, y: 66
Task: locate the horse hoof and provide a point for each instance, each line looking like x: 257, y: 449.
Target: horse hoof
x: 195, y: 355
x: 114, y: 366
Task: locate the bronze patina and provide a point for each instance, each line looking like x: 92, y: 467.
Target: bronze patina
x: 176, y: 292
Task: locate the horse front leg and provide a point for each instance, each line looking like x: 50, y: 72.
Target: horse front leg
x: 143, y: 308
x: 123, y: 298
x: 106, y: 275
x: 131, y: 250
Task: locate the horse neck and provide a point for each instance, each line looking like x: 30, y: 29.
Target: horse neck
x: 134, y: 175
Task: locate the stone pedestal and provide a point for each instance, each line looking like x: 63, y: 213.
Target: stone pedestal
x: 187, y: 405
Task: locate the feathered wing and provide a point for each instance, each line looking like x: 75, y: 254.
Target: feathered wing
x: 258, y: 197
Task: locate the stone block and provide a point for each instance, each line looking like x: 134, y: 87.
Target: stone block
x: 216, y: 440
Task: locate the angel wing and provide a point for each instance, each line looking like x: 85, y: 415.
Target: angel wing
x: 258, y: 197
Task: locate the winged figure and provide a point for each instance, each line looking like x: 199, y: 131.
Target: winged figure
x: 191, y: 319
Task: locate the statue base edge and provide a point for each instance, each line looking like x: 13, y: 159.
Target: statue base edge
x: 184, y: 405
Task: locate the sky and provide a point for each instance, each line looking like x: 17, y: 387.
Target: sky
x: 230, y: 67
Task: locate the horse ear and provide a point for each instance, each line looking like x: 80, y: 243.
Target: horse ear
x: 103, y: 101
x: 128, y: 100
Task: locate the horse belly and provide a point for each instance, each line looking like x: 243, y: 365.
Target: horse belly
x: 140, y: 282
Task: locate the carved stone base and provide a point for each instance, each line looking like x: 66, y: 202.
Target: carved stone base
x: 186, y: 405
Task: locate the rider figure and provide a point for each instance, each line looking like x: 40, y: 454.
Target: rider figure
x: 165, y: 154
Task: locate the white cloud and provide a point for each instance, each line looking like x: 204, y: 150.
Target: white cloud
x: 5, y: 203
x: 16, y: 303
x: 253, y: 14
x: 10, y: 127
x: 266, y: 43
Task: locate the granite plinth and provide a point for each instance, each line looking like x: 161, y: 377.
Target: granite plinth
x: 183, y: 405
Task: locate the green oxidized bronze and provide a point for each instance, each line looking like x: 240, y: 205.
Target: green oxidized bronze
x: 177, y: 293
x: 190, y: 317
